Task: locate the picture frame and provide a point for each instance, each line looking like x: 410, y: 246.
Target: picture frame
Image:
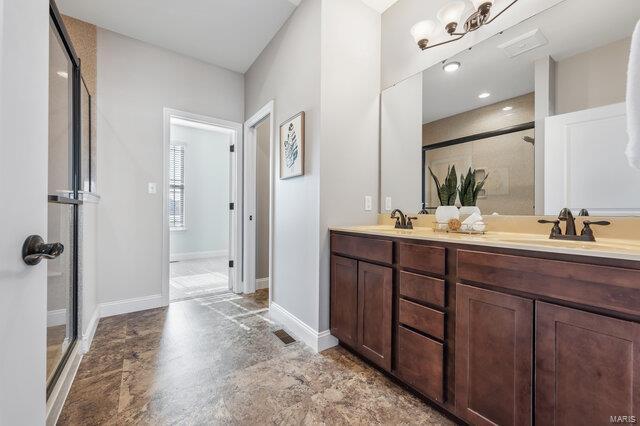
x: 292, y: 136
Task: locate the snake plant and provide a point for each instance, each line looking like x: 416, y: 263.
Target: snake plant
x: 469, y: 188
x: 447, y: 191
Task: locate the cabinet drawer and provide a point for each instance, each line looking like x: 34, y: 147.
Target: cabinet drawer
x: 421, y: 258
x: 422, y: 318
x: 422, y: 288
x: 420, y: 363
x: 363, y: 248
x: 616, y: 289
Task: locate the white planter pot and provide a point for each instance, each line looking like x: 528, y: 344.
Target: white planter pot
x: 466, y: 211
x: 445, y: 213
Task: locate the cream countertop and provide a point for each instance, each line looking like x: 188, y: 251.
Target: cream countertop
x: 628, y: 249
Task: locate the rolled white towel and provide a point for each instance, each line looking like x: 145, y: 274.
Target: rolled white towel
x: 473, y: 218
x: 633, y: 100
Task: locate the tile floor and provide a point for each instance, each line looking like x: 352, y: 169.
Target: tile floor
x: 55, y: 347
x: 197, y: 277
x: 215, y: 360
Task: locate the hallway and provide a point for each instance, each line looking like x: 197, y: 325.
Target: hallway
x: 198, y: 277
x: 215, y: 360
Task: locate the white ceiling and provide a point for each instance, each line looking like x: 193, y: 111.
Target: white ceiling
x: 571, y: 27
x: 228, y: 33
x: 379, y: 5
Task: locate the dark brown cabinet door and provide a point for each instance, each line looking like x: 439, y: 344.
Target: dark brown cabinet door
x: 421, y: 363
x: 375, y: 289
x: 587, y: 367
x: 344, y: 299
x: 494, y: 357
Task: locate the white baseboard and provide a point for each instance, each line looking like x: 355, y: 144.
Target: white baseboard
x: 87, y: 337
x: 56, y: 400
x: 173, y: 257
x: 57, y: 317
x: 262, y: 283
x: 126, y: 306
x: 318, y: 341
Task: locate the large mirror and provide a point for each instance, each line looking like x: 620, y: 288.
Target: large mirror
x: 536, y: 112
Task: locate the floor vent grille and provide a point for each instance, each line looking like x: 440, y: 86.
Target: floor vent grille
x: 284, y: 336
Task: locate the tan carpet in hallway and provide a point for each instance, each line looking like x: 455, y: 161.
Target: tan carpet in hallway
x: 215, y: 360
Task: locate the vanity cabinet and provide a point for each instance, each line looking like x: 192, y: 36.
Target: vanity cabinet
x: 361, y: 296
x: 493, y: 336
x: 587, y: 366
x: 344, y: 298
x: 494, y: 357
x: 374, y: 313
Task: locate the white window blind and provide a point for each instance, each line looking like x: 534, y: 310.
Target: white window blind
x: 176, y: 187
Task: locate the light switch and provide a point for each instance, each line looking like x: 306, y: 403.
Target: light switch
x: 387, y: 204
x: 368, y: 203
x: 153, y: 188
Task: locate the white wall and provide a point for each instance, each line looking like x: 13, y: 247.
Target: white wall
x: 339, y: 92
x: 24, y: 47
x: 350, y: 105
x: 402, y: 58
x: 135, y: 82
x: 401, y: 145
x: 206, y: 171
x: 288, y: 72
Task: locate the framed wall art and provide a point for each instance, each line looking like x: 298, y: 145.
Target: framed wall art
x: 292, y: 147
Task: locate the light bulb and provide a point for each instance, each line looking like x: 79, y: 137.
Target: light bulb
x: 422, y: 30
x: 484, y: 95
x: 507, y: 108
x: 451, y: 66
x: 478, y: 3
x: 451, y: 12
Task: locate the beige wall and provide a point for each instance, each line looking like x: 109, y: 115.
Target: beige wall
x: 262, y: 203
x: 84, y: 38
x: 479, y: 120
x: 593, y: 78
x: 507, y: 159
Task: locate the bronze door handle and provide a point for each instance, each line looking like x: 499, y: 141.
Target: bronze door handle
x: 35, y: 249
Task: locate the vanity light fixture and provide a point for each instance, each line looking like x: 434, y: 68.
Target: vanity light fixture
x: 450, y: 15
x: 507, y: 108
x: 484, y: 95
x: 451, y: 66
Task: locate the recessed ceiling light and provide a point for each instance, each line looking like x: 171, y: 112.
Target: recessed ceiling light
x: 451, y: 66
x: 507, y: 108
x: 484, y: 95
x: 63, y: 74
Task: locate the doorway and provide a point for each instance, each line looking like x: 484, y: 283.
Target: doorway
x: 199, y: 206
x: 258, y: 197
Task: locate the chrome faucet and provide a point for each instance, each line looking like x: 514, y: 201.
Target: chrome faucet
x: 402, y: 221
x: 570, y: 228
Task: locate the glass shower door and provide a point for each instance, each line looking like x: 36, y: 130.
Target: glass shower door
x: 63, y: 184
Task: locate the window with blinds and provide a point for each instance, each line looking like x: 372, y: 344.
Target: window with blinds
x: 176, y: 187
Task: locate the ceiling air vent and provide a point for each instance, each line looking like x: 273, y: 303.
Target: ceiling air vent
x: 524, y: 43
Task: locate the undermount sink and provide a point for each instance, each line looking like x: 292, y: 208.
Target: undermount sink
x: 601, y: 246
x: 586, y: 245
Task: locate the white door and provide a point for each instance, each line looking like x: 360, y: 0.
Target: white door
x: 586, y: 166
x: 24, y: 58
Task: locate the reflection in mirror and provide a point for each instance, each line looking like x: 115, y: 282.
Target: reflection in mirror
x: 538, y: 110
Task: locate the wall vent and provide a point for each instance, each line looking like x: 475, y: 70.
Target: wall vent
x: 524, y: 43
